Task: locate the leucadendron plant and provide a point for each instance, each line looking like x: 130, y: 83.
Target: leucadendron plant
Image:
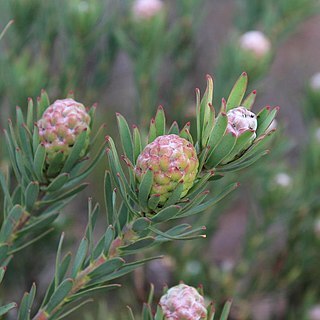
x: 162, y: 178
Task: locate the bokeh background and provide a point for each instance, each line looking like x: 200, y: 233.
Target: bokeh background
x: 263, y: 242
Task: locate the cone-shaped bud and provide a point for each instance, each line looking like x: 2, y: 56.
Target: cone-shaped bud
x: 60, y: 125
x: 183, y: 302
x: 172, y: 160
x: 240, y: 120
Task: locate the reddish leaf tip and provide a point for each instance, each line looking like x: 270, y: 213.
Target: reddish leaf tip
x: 254, y: 92
x: 244, y: 74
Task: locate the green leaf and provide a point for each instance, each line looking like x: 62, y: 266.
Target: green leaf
x: 58, y: 258
x: 153, y: 201
x: 39, y: 160
x: 225, y: 311
x: 106, y: 268
x: 218, y: 131
x: 200, y: 183
x: 127, y: 268
x: 62, y: 272
x: 137, y: 245
x: 175, y: 196
x: 145, y: 188
x: 6, y: 308
x: 238, y: 91
x: 141, y: 224
x: 80, y: 256
x: 26, y: 304
x: 55, y: 164
x: 126, y: 137
x: 94, y: 290
x: 249, y: 100
x: 185, y: 134
x: 76, y: 150
x: 174, y: 129
x: 263, y: 126
x: 146, y: 312
x: 152, y: 131
x: 5, y: 189
x: 71, y: 310
x: 108, y: 238
x: 11, y: 151
x: 15, y: 216
x: 160, y: 122
x: 204, y: 109
x: 242, y: 143
x: 21, y: 163
x: 2, y: 272
x: 42, y: 103
x: 166, y: 214
x: 58, y: 182
x: 36, y: 223
x: 65, y: 195
x: 194, y: 202
x: 59, y: 295
x: 31, y: 194
x: 209, y: 125
x: 221, y: 151
x: 211, y: 202
x: 30, y: 117
x: 137, y: 146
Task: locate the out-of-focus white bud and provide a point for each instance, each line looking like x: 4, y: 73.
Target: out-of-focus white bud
x: 315, y: 82
x: 314, y: 313
x: 317, y: 228
x: 183, y: 302
x: 256, y: 43
x: 317, y: 134
x: 282, y: 179
x: 146, y: 9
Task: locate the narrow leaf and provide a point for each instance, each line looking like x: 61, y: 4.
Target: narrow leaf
x: 238, y: 91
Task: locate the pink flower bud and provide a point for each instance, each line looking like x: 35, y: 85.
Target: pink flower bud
x: 240, y: 120
x: 255, y: 42
x: 146, y: 9
x: 183, y: 302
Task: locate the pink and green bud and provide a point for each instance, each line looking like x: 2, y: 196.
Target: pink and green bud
x: 60, y: 126
x: 183, y: 302
x: 241, y: 120
x: 173, y: 160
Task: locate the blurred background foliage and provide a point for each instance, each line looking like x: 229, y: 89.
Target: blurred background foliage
x: 262, y: 246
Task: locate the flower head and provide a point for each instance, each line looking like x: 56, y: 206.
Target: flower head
x: 60, y: 125
x: 183, y: 302
x: 173, y: 160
